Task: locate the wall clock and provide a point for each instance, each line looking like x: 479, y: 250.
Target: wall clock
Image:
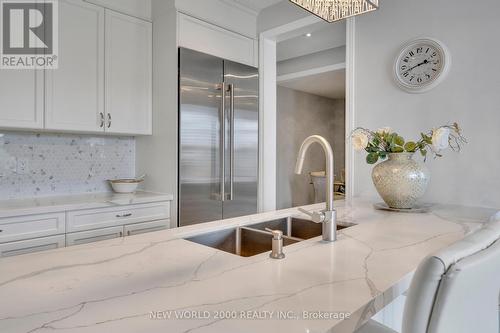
x: 421, y: 65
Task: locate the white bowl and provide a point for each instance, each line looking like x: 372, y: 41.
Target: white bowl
x: 125, y: 185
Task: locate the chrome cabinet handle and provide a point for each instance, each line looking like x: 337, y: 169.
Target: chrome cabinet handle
x: 223, y: 142
x: 124, y: 215
x: 231, y: 141
x: 109, y: 120
x: 102, y: 119
x: 128, y: 232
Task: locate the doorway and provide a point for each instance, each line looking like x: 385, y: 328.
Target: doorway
x: 311, y: 94
x: 310, y: 99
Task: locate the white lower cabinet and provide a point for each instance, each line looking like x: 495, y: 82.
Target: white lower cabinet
x: 140, y: 228
x: 31, y: 245
x: 121, y: 215
x: 33, y: 233
x: 83, y: 237
x: 31, y: 226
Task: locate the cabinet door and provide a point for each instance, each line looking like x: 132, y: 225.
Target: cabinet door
x: 21, y: 99
x: 74, y: 92
x: 140, y: 228
x: 31, y: 245
x: 83, y: 237
x: 31, y: 226
x: 128, y: 74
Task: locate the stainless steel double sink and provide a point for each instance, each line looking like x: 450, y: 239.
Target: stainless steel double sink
x: 253, y: 239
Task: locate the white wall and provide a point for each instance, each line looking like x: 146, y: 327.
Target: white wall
x: 470, y: 94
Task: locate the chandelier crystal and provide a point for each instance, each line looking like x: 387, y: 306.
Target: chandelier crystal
x: 334, y: 10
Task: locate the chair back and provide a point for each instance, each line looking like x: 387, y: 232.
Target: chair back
x: 457, y: 290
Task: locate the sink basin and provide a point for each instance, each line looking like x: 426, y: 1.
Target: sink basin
x: 254, y: 239
x: 293, y: 227
x: 242, y: 241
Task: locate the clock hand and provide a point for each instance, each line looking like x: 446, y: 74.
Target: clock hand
x: 422, y: 63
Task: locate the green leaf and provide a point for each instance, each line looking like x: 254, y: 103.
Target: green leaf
x: 410, y: 146
x: 399, y: 140
x: 382, y: 155
x: 372, y: 158
x: 423, y: 152
x: 397, y: 150
x: 427, y: 139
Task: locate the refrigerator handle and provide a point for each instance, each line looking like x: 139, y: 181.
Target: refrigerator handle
x: 223, y: 142
x: 231, y: 141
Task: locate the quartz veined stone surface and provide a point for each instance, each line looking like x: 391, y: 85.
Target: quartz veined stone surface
x: 55, y: 164
x: 16, y: 207
x: 116, y: 285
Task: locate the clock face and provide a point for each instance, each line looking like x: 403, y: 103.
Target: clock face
x: 420, y: 64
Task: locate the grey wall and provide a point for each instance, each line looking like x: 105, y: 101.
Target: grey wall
x: 300, y: 115
x: 469, y: 95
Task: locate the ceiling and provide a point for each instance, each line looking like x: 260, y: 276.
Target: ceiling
x: 324, y: 36
x: 329, y: 84
x: 256, y: 5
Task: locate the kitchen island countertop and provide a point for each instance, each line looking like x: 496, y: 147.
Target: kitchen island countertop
x: 146, y: 283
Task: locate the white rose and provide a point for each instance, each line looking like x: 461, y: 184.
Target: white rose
x: 359, y: 141
x: 440, y: 138
x: 383, y: 130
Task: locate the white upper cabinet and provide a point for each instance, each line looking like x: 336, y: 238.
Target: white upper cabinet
x: 74, y: 93
x: 128, y: 74
x: 21, y: 99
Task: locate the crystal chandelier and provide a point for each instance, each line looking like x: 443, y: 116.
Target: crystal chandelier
x: 334, y: 10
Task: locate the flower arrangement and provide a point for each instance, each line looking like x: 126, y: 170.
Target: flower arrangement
x: 378, y: 144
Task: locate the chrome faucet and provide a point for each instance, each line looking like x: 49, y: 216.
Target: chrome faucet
x: 328, y: 217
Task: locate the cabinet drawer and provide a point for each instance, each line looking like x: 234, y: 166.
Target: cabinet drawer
x: 91, y: 236
x: 31, y: 226
x: 31, y: 245
x: 114, y: 216
x: 140, y: 228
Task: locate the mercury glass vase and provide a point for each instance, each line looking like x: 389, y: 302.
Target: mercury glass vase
x: 400, y: 180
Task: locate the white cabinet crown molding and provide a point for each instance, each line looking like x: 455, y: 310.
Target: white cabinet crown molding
x: 137, y: 8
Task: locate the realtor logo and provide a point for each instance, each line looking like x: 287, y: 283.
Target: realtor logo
x: 28, y: 34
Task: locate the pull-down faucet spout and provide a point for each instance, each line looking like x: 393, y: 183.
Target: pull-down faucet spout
x: 328, y: 217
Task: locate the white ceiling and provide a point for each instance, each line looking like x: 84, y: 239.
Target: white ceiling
x: 323, y: 37
x: 256, y: 5
x: 328, y: 84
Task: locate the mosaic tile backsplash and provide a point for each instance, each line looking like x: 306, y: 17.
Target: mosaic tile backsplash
x: 33, y: 165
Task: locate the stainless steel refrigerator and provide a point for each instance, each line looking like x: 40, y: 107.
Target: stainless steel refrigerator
x: 218, y: 138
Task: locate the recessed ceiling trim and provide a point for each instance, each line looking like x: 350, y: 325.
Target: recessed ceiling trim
x: 309, y: 72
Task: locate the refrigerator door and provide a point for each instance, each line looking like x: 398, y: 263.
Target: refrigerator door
x: 242, y: 117
x: 200, y: 78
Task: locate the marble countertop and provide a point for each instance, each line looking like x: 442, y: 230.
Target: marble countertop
x: 17, y: 207
x: 159, y: 282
